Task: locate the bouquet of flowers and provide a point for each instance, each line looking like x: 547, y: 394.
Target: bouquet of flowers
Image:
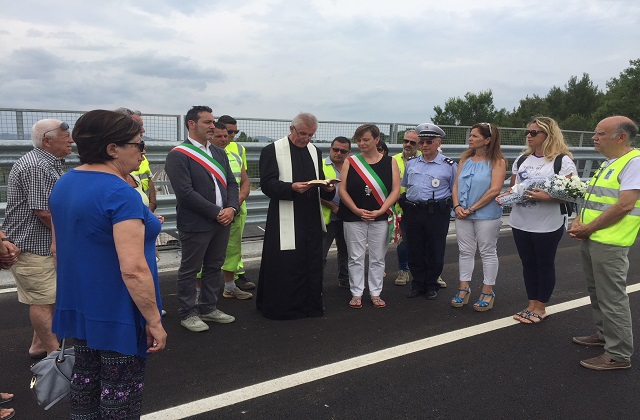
x: 570, y: 189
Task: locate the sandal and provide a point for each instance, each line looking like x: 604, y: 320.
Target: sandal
x: 484, y: 305
x: 377, y: 302
x: 7, y: 413
x: 5, y: 397
x: 356, y: 302
x: 457, y: 301
x: 534, y: 318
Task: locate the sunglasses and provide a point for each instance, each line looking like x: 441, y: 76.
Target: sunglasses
x: 338, y: 150
x: 140, y: 145
x: 533, y: 133
x: 411, y: 142
x: 64, y: 127
x: 430, y: 141
x: 488, y: 125
x: 233, y: 131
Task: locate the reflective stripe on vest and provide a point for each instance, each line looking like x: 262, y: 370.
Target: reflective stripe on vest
x: 239, y: 150
x: 602, y: 194
x: 235, y: 162
x: 329, y: 172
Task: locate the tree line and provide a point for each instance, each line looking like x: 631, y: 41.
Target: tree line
x: 577, y: 106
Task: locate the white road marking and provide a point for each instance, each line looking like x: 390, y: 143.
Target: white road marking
x: 285, y: 382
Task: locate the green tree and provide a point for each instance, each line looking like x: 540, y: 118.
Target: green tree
x: 471, y: 109
x: 623, y: 94
x: 243, y: 138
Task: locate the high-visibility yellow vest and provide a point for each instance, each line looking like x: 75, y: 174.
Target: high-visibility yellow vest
x: 603, y: 192
x: 238, y: 150
x: 144, y: 173
x: 329, y: 172
x: 236, y: 162
x: 401, y: 166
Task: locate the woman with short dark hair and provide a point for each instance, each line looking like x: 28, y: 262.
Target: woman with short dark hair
x: 107, y: 280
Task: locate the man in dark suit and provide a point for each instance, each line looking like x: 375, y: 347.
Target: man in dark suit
x: 207, y: 195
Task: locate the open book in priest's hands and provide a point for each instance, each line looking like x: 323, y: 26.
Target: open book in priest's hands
x: 329, y: 181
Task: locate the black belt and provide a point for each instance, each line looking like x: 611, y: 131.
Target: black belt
x: 430, y: 206
x: 428, y: 203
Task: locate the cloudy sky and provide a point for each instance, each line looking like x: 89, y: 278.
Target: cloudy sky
x: 345, y: 60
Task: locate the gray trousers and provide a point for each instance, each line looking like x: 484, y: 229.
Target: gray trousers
x: 206, y: 251
x: 605, y: 267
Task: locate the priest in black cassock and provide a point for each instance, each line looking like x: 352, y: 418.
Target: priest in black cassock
x: 290, y: 281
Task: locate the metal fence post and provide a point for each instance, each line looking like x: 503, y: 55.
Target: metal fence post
x: 20, y: 125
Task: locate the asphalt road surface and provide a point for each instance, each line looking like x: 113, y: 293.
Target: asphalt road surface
x: 414, y: 359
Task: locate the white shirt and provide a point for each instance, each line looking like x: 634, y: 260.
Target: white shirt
x: 208, y: 151
x: 539, y: 216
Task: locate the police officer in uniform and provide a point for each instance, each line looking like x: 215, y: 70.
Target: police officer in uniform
x: 427, y: 208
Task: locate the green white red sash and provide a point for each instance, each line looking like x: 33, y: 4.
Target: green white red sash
x: 370, y: 178
x: 207, y: 162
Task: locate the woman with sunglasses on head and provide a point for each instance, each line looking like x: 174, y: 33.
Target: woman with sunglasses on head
x: 102, y: 227
x: 370, y: 186
x: 539, y: 223
x: 481, y: 174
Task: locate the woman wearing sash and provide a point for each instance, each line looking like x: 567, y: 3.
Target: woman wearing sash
x: 370, y: 186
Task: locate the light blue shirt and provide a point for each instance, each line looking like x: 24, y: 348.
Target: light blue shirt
x: 473, y: 182
x: 429, y: 180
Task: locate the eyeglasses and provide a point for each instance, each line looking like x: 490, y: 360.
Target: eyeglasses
x: 233, y: 131
x: 430, y: 141
x: 140, y: 145
x: 488, y: 125
x: 411, y: 142
x: 338, y: 150
x: 533, y: 133
x: 64, y: 127
x: 309, y: 136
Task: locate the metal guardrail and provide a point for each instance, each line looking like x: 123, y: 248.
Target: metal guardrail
x: 587, y: 160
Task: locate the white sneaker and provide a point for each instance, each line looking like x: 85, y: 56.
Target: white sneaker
x: 237, y: 293
x: 441, y: 283
x: 403, y: 278
x: 194, y: 324
x: 217, y: 316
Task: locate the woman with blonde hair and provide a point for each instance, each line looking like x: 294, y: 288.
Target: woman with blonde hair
x: 539, y: 223
x: 481, y: 174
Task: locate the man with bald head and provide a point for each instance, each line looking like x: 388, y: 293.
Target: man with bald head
x: 607, y: 227
x: 28, y: 224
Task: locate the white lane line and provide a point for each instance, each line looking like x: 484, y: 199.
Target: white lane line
x: 8, y: 290
x: 285, y: 382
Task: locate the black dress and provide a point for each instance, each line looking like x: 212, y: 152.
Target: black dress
x: 290, y: 282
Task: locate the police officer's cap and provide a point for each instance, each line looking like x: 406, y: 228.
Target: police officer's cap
x: 429, y: 130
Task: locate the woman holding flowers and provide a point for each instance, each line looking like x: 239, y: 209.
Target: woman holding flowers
x: 481, y: 174
x: 539, y: 223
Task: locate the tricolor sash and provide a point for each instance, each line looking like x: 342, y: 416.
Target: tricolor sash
x: 285, y: 207
x: 370, y: 178
x: 207, y: 162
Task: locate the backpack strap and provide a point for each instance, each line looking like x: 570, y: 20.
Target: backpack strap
x: 565, y: 208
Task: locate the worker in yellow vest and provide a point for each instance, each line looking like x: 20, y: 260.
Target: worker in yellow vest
x: 232, y: 146
x: 338, y: 153
x: 234, y: 246
x: 607, y: 227
x: 409, y: 151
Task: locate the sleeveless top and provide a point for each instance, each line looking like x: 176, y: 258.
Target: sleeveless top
x: 355, y: 186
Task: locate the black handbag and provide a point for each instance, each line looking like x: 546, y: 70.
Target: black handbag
x: 51, y: 382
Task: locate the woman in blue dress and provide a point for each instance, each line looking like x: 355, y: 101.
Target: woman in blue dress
x: 108, y: 297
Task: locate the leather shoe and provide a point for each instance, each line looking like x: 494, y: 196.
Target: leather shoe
x: 603, y: 362
x: 415, y: 293
x: 589, y: 341
x: 431, y: 295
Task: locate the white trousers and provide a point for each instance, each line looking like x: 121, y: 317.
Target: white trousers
x: 358, y: 235
x: 482, y: 235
